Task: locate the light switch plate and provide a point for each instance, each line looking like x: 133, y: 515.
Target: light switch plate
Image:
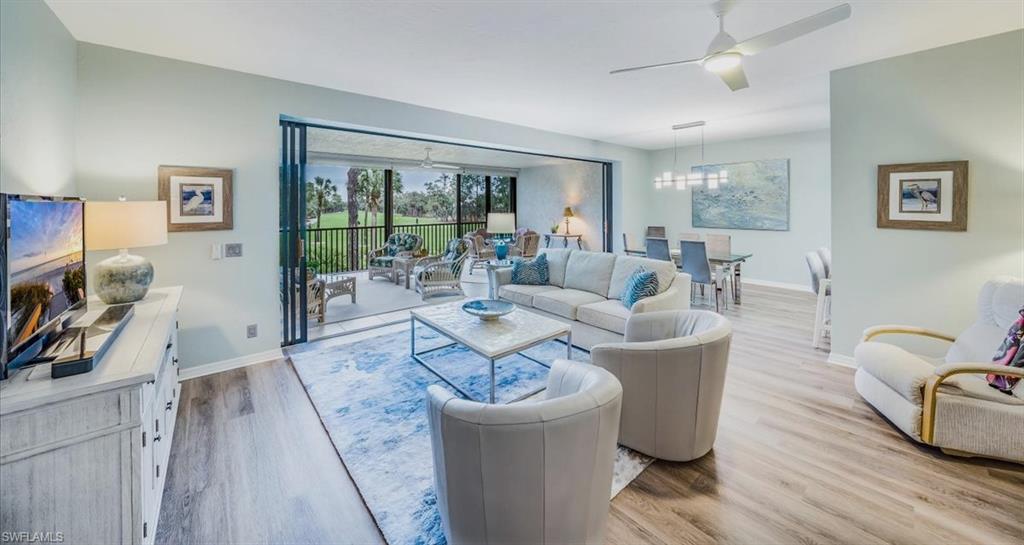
x: 250, y: 331
x: 233, y: 249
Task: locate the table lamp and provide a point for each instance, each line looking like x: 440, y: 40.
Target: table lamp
x: 567, y: 213
x: 120, y: 225
x: 501, y: 223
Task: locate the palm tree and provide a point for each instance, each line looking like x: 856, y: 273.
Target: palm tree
x: 320, y: 193
x: 371, y: 191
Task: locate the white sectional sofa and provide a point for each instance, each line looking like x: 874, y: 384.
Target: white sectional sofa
x: 585, y: 286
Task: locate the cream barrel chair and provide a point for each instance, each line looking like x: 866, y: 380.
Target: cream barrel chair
x: 948, y: 403
x: 672, y: 369
x: 529, y: 472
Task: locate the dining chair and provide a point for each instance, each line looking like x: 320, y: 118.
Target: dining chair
x: 689, y: 236
x: 628, y: 248
x: 657, y: 248
x: 826, y: 259
x: 822, y: 287
x: 694, y: 257
x: 655, y: 231
x: 721, y: 245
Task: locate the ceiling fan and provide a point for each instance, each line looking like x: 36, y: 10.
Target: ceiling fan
x: 724, y: 56
x: 429, y: 163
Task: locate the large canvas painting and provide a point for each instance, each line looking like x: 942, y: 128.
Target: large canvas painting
x: 755, y: 197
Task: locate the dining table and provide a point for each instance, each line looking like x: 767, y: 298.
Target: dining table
x: 733, y: 261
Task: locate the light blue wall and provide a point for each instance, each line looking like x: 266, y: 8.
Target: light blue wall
x: 778, y: 255
x: 37, y: 100
x: 139, y: 111
x: 960, y: 102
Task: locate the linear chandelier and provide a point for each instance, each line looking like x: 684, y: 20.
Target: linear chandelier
x: 680, y: 180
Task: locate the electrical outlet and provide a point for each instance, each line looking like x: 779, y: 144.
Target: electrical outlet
x: 250, y: 331
x: 233, y: 249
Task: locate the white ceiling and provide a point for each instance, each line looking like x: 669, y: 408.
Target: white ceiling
x: 543, y: 64
x: 325, y: 144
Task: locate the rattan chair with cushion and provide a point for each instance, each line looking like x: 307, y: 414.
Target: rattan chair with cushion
x: 947, y: 402
x: 526, y: 244
x: 381, y: 260
x: 479, y: 251
x: 442, y: 274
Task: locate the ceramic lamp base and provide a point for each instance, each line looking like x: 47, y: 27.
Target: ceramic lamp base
x: 123, y: 278
x: 500, y: 250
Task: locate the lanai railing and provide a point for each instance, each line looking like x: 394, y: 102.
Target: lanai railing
x: 345, y: 249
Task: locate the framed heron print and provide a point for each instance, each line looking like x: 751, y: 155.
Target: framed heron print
x: 923, y: 196
x: 198, y: 198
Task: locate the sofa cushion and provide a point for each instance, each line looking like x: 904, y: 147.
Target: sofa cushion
x: 609, y: 315
x: 564, y: 302
x: 557, y: 260
x: 625, y: 265
x: 522, y: 294
x: 590, y: 271
x: 532, y: 272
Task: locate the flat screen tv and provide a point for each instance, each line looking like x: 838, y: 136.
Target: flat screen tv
x: 42, y: 258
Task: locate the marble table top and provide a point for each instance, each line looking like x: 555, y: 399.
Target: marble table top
x: 511, y: 333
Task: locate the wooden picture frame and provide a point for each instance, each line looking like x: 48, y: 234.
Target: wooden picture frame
x: 198, y: 198
x: 929, y: 196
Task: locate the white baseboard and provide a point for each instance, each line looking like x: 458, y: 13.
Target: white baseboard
x: 774, y: 284
x: 229, y: 364
x: 839, y: 359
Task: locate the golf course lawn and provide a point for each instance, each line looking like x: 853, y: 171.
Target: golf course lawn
x: 340, y: 219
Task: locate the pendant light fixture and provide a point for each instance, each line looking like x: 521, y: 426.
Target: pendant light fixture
x: 700, y: 177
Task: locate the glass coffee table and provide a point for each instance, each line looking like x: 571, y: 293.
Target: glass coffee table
x: 493, y: 340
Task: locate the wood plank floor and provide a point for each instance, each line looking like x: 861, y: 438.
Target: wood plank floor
x: 799, y: 458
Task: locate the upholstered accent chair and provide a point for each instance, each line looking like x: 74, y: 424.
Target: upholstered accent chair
x: 380, y: 260
x: 442, y: 274
x: 479, y: 251
x: 526, y: 244
x: 529, y: 472
x: 946, y: 402
x: 672, y: 369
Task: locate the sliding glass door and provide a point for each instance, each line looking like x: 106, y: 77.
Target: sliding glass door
x: 292, y: 234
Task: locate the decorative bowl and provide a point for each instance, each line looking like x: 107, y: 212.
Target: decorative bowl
x: 488, y: 309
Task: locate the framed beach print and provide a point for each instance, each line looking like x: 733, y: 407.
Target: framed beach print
x: 198, y: 199
x: 923, y: 196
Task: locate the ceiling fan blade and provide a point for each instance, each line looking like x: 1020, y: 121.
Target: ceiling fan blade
x: 446, y: 167
x: 660, y: 65
x: 793, y: 30
x: 734, y: 78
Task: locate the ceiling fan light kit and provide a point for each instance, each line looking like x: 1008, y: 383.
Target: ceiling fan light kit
x: 724, y: 55
x: 721, y: 62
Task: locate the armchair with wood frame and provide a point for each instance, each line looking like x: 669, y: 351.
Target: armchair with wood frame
x: 947, y: 402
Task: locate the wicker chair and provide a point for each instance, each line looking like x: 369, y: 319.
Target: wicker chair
x: 479, y: 251
x: 316, y: 297
x: 442, y: 274
x: 526, y: 244
x: 380, y: 260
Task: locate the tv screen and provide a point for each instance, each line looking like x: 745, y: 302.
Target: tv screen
x: 45, y: 264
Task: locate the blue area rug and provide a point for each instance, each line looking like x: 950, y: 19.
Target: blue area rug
x: 371, y: 397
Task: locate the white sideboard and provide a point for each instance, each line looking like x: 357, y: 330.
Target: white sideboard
x: 83, y: 458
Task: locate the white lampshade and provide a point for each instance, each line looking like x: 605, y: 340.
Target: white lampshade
x: 500, y: 222
x: 125, y: 224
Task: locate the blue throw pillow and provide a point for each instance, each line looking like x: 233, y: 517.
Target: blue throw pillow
x: 531, y: 272
x: 642, y: 283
